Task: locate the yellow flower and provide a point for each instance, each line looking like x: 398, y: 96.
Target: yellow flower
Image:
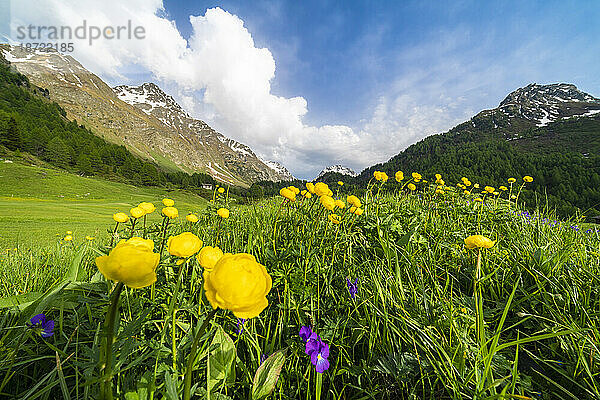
x: 467, y: 183
x: 503, y: 188
x: 527, y: 178
x: 496, y: 193
x: 478, y: 241
x: 321, y: 189
x: 359, y: 211
x: 208, y: 257
x: 411, y: 186
x: 399, y: 176
x: 294, y: 189
x: 147, y: 207
x: 328, y: 202
x: 340, y: 204
x: 136, y: 212
x: 511, y: 180
x: 476, y: 186
x: 489, y: 189
x: 90, y: 238
x: 307, y: 194
x: 121, y: 217
x: 380, y: 176
x: 466, y: 192
x: 340, y: 183
x: 416, y: 176
x: 352, y: 209
x: 192, y: 217
x: 355, y: 201
x: 170, y: 212
x: 334, y: 218
x: 288, y: 194
x: 168, y: 202
x: 438, y: 177
x: 132, y: 262
x: 439, y: 191
x: 223, y: 212
x: 221, y: 190
x: 238, y: 283
x: 69, y: 233
x: 68, y: 238
x: 184, y: 245
x: 310, y: 187
x: 478, y: 199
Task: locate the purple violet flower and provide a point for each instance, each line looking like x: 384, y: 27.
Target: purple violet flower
x: 352, y: 287
x: 42, y: 326
x: 240, y: 325
x: 305, y: 333
x: 319, y: 352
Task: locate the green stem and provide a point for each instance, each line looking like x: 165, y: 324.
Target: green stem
x: 192, y: 356
x: 112, y: 239
x: 109, y: 326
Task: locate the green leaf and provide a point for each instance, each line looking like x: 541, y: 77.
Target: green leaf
x: 76, y: 272
x: 220, y: 359
x: 19, y: 300
x: 267, y: 375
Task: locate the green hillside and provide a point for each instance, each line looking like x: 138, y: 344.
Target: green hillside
x: 38, y: 205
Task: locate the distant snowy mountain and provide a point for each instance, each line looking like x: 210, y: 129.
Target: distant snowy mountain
x: 340, y: 169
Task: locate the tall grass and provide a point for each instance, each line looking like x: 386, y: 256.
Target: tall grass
x: 416, y: 328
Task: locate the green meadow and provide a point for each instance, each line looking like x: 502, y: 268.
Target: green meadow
x: 399, y: 304
x: 38, y: 205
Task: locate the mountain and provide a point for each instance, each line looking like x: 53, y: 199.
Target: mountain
x: 551, y: 132
x: 336, y: 169
x: 237, y: 157
x: 149, y: 123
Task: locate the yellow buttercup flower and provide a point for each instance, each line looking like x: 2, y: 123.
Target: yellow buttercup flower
x: 478, y: 199
x: 294, y: 189
x: 90, y: 238
x: 328, y: 202
x: 355, y: 201
x: 438, y: 177
x: 340, y: 183
x: 223, y: 212
x: 359, y: 211
x: 489, y: 189
x: 310, y: 187
x: 467, y: 183
x: 340, y: 204
x: 288, y: 194
x: 168, y: 202
x: 208, y: 257
x: 132, y: 262
x: 192, y: 218
x: 527, y: 178
x: 170, y: 212
x: 121, y: 217
x: 476, y: 186
x: 399, y: 176
x: 503, y: 188
x: 147, y: 207
x: 466, y: 192
x: 184, y: 245
x: 478, y: 241
x: 511, y: 180
x: 416, y: 176
x: 69, y: 233
x: 136, y: 212
x: 68, y: 238
x: 380, y: 176
x: 411, y: 186
x: 321, y: 189
x: 352, y: 209
x: 439, y: 191
x: 334, y: 218
x: 238, y: 283
x: 221, y: 190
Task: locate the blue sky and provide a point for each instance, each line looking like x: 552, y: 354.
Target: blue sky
x: 341, y: 56
x: 316, y: 83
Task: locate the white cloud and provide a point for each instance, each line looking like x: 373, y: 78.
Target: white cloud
x: 221, y: 76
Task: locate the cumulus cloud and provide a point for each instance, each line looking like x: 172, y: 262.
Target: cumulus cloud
x: 221, y: 76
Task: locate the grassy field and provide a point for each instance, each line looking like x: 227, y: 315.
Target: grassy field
x: 38, y: 205
x: 427, y: 319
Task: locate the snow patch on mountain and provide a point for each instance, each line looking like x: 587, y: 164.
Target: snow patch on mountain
x: 340, y: 169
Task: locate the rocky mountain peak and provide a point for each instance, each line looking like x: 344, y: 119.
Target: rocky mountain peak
x: 340, y: 169
x: 543, y: 104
